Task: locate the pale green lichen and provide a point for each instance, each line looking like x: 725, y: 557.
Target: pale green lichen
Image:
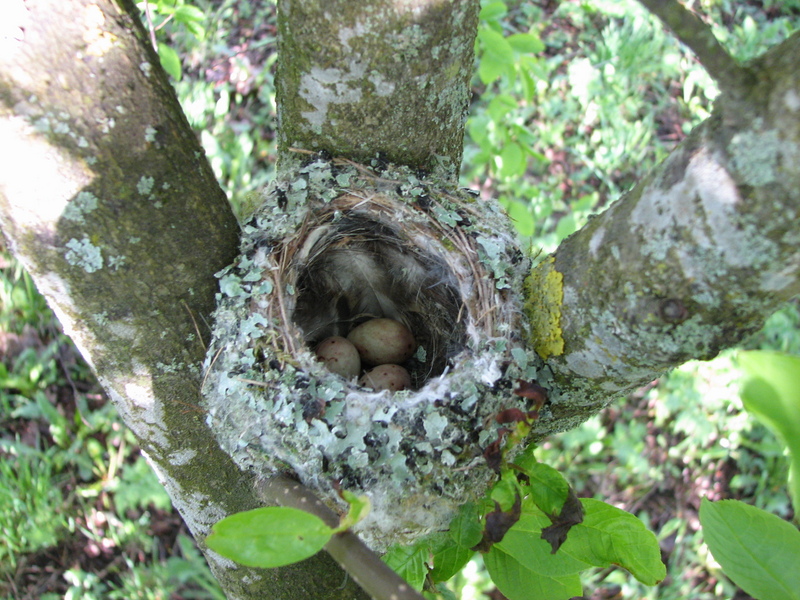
x: 145, y: 185
x: 756, y: 156
x: 84, y: 254
x: 82, y: 204
x: 115, y: 262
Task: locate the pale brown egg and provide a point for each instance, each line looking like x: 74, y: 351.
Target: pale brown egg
x: 386, y: 377
x: 339, y: 356
x: 383, y: 341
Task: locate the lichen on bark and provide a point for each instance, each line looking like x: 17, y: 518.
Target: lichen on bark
x: 383, y: 77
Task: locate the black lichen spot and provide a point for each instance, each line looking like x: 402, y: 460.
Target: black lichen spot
x: 464, y: 221
x: 313, y: 408
x: 381, y: 161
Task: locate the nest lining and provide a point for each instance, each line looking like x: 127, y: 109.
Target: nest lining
x: 363, y: 253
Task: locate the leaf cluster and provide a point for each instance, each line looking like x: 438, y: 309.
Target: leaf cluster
x: 555, y: 536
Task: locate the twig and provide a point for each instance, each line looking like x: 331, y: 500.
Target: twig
x: 732, y: 77
x: 149, y: 18
x: 196, y: 328
x: 363, y: 565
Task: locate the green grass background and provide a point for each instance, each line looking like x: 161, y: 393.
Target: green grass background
x: 557, y: 131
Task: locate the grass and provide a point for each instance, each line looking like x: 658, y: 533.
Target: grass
x: 79, y: 505
x: 558, y: 134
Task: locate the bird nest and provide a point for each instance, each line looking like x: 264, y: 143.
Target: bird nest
x: 333, y: 247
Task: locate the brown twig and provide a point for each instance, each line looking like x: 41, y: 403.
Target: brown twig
x: 361, y: 563
x: 151, y: 29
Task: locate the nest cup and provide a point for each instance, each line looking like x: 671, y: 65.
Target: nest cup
x: 354, y: 265
x: 446, y: 268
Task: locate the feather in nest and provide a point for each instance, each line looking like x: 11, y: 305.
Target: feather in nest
x: 356, y: 269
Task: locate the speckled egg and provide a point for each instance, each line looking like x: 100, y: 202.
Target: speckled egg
x: 383, y: 341
x: 386, y: 377
x: 340, y: 356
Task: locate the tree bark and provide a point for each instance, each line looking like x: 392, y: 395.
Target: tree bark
x: 381, y: 77
x: 692, y: 260
x: 107, y: 200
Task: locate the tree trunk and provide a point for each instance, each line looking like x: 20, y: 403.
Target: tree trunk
x: 382, y: 77
x: 106, y: 199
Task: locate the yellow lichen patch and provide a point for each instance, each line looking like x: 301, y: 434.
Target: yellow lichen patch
x: 98, y: 40
x: 543, y: 298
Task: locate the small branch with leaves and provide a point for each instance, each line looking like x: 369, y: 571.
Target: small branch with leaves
x: 300, y: 526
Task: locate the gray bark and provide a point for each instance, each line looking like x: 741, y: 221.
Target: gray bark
x: 361, y: 78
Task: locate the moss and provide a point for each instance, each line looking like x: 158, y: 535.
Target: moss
x: 544, y: 296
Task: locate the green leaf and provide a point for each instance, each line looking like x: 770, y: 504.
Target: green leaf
x: 493, y: 10
x: 610, y: 536
x: 518, y: 581
x: 505, y: 491
x: 495, y: 45
x: 359, y: 509
x: 170, y: 61
x: 192, y: 18
x: 772, y: 394
x: 757, y: 550
x: 547, y: 486
x: 455, y: 549
x: 409, y: 562
x: 526, y: 43
x: 521, y: 215
x: 513, y: 161
x: 490, y: 68
x: 188, y: 13
x: 500, y: 106
x: 269, y: 537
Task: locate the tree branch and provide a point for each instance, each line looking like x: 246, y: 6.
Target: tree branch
x: 732, y: 78
x: 691, y: 261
